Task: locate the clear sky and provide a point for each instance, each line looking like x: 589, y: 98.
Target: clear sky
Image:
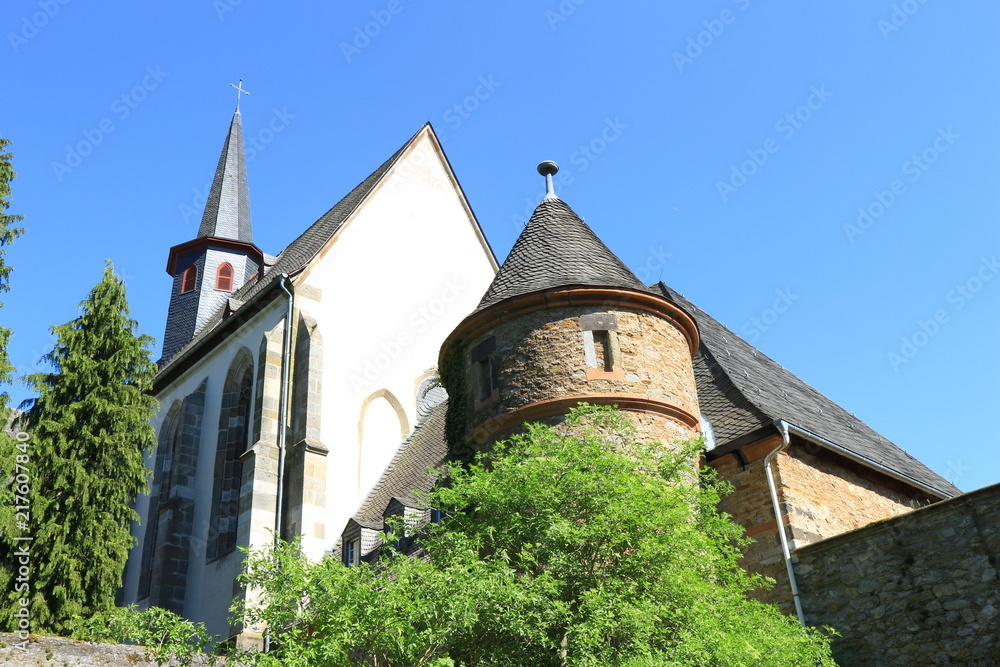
x: 821, y: 177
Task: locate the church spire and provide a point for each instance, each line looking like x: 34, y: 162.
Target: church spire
x: 227, y: 211
x: 208, y: 269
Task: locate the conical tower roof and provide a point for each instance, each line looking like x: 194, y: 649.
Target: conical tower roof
x: 227, y: 211
x: 557, y: 249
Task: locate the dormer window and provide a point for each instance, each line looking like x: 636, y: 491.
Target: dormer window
x: 189, y: 278
x: 224, y: 277
x: 485, y: 372
x: 600, y: 346
x: 352, y: 552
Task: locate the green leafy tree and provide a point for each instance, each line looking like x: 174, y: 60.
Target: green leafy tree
x: 165, y: 635
x: 560, y: 547
x: 88, y: 427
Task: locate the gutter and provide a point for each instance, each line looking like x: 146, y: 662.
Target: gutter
x: 179, y: 363
x: 823, y: 442
x: 786, y: 429
x: 782, y: 427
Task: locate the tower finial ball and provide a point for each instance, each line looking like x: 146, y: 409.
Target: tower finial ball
x: 548, y: 168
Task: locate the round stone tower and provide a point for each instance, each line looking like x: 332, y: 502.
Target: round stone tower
x: 566, y: 322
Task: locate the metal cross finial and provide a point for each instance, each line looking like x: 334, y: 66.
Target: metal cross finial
x: 239, y: 90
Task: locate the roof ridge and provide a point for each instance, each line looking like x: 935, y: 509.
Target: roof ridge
x: 359, y: 192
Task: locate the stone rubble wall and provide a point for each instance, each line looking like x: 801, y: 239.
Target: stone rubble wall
x: 541, y: 356
x: 917, y: 589
x: 62, y: 652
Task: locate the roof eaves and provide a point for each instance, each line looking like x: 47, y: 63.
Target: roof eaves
x: 212, y: 334
x: 864, y: 460
x: 301, y: 251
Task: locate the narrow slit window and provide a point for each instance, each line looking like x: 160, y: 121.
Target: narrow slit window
x: 484, y: 378
x: 224, y: 277
x: 602, y: 350
x: 189, y: 278
x: 601, y: 353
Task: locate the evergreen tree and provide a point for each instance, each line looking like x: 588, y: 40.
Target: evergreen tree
x: 8, y: 450
x: 7, y: 235
x: 89, y: 428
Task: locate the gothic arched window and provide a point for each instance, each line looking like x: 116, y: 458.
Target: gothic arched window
x: 189, y: 278
x: 224, y: 277
x: 159, y: 494
x: 234, y: 429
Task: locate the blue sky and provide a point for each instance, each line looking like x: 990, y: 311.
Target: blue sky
x: 821, y: 178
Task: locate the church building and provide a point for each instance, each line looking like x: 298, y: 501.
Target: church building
x: 299, y: 392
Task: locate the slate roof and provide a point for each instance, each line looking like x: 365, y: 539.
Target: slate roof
x: 557, y: 249
x: 227, y: 210
x: 299, y: 252
x: 408, y: 472
x: 741, y: 390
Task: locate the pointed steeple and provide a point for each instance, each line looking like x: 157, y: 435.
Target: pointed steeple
x: 227, y: 211
x: 557, y: 249
x: 210, y: 268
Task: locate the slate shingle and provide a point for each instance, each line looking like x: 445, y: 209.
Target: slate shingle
x: 227, y: 209
x: 557, y: 249
x: 740, y: 389
x: 406, y: 476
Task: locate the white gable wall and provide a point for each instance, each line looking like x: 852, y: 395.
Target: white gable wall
x: 395, y: 282
x: 396, y: 279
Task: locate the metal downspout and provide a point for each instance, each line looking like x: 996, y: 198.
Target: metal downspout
x: 286, y: 356
x: 785, y: 442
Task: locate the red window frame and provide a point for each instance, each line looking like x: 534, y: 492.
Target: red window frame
x: 224, y: 277
x: 189, y: 279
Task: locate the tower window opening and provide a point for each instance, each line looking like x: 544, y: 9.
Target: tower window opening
x: 224, y: 277
x: 602, y: 350
x: 486, y: 376
x: 600, y: 346
x: 189, y: 278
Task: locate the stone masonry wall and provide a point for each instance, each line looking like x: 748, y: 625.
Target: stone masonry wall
x: 541, y: 356
x: 750, y: 506
x: 61, y: 652
x: 828, y: 495
x: 820, y: 493
x: 917, y: 589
